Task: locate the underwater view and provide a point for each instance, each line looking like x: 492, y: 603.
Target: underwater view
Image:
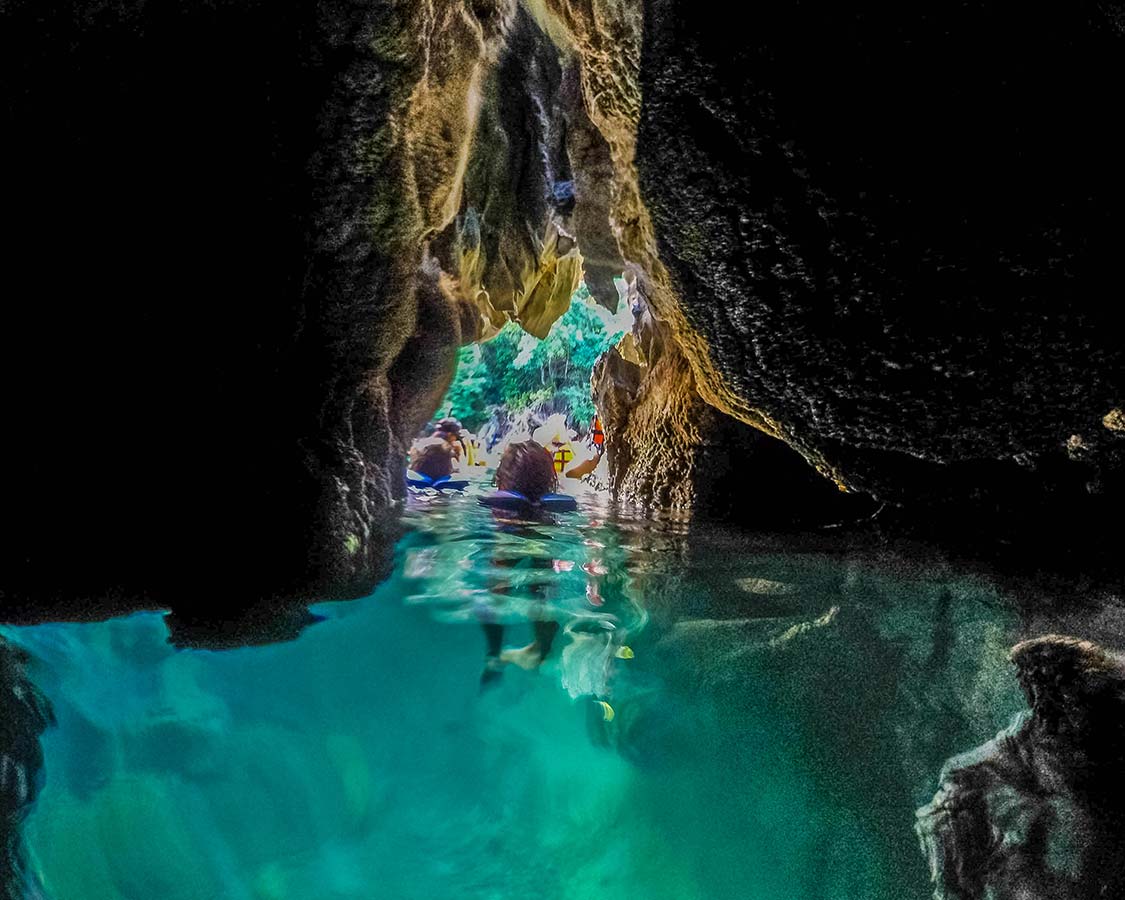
x: 718, y: 716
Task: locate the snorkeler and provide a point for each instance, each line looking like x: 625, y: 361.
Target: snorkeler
x: 526, y: 470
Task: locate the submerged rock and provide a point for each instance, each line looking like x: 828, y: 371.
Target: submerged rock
x: 24, y: 715
x: 1038, y: 813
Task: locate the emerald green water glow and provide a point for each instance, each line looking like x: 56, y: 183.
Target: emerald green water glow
x: 784, y: 714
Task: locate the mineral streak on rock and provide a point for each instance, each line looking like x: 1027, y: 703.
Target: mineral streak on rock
x: 1038, y: 813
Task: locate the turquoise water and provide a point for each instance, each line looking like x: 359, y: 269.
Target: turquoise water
x: 784, y: 712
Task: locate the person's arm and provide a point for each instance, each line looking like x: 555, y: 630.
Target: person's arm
x: 583, y: 468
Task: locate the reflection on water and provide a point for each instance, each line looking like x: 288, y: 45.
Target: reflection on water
x: 782, y: 715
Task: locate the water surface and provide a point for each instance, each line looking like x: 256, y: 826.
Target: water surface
x: 784, y: 712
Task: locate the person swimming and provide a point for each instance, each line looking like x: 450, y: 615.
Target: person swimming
x: 449, y: 430
x: 432, y: 457
x: 527, y: 469
x: 555, y: 435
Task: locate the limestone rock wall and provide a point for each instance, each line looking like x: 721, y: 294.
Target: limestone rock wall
x: 533, y: 193
x: 894, y: 230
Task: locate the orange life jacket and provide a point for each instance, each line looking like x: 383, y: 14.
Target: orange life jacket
x: 596, y: 433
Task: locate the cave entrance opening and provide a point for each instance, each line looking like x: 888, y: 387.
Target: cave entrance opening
x: 515, y: 386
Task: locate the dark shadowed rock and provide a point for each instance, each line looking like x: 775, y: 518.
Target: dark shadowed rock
x: 1038, y: 813
x: 217, y: 217
x: 894, y: 228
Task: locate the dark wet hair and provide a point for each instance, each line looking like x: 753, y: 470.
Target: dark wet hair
x: 432, y: 458
x: 527, y: 468
x: 449, y: 426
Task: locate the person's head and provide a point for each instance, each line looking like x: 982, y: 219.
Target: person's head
x: 553, y: 433
x: 450, y: 429
x: 432, y: 458
x: 527, y: 468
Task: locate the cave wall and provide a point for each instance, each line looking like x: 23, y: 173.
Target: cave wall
x: 895, y: 230
x: 216, y: 218
x: 1037, y: 812
x: 228, y: 228
x: 533, y: 220
x: 883, y: 235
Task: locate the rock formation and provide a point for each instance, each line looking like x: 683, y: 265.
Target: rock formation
x: 882, y: 235
x: 853, y: 242
x: 218, y: 224
x: 24, y: 714
x: 1038, y: 812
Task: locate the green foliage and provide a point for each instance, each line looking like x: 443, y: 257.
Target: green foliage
x: 518, y: 372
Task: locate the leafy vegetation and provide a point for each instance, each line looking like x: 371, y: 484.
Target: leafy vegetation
x: 514, y: 372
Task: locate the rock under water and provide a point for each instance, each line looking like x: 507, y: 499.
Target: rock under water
x: 24, y: 714
x: 1038, y: 812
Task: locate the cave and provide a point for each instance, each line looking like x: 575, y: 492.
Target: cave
x: 866, y: 406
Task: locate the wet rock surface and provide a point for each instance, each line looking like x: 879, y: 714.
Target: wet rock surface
x: 1038, y: 812
x: 670, y: 448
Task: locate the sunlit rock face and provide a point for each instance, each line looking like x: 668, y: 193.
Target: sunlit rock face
x: 670, y: 442
x: 24, y: 714
x: 1038, y: 812
x: 534, y: 193
x: 669, y: 448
